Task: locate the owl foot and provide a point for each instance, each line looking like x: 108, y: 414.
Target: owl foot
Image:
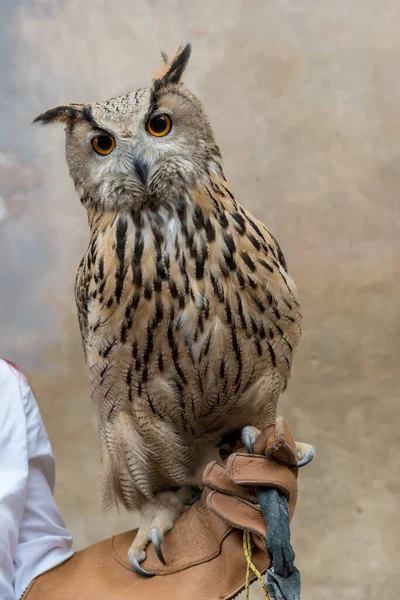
x: 304, y: 452
x: 157, y: 517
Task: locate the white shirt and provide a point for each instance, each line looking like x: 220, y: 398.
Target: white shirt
x: 33, y: 537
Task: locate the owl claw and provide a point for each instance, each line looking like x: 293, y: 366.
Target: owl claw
x: 248, y: 439
x: 305, y: 453
x: 156, y: 540
x: 133, y: 561
x: 158, y: 516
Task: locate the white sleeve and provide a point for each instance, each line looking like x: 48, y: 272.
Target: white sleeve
x: 44, y: 542
x: 13, y: 474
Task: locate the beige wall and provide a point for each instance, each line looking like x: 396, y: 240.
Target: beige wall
x: 305, y: 101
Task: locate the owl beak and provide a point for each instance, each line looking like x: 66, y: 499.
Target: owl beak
x: 141, y: 170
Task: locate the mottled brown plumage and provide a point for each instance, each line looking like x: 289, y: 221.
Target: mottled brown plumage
x: 188, y: 316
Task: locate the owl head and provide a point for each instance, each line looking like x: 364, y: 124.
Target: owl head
x: 144, y: 148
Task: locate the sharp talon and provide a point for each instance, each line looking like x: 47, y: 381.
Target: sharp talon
x: 307, y: 458
x: 248, y: 440
x: 156, y: 541
x: 133, y: 561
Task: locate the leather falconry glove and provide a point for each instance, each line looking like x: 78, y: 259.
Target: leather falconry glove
x: 206, y: 557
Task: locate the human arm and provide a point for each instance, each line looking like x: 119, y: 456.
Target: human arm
x: 13, y: 474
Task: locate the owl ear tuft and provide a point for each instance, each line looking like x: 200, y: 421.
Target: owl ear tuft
x: 172, y: 69
x: 164, y: 56
x: 64, y: 113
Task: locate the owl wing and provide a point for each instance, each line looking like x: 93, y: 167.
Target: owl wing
x: 82, y: 281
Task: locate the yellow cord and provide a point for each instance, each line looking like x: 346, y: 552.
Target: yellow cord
x: 247, y: 548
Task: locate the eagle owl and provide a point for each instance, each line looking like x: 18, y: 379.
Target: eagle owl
x: 188, y: 316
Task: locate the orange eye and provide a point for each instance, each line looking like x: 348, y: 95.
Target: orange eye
x: 103, y: 144
x: 159, y: 125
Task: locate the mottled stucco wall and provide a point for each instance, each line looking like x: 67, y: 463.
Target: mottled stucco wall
x: 305, y: 102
